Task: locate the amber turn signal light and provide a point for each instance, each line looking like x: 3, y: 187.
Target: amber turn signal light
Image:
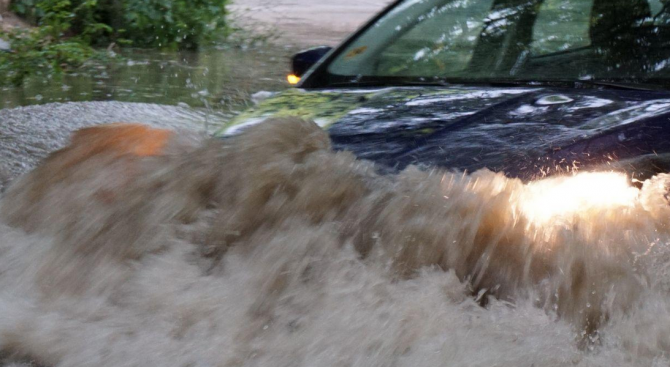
x: 293, y: 79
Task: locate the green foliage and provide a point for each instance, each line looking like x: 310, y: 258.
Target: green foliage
x: 168, y: 24
x: 175, y: 23
x: 44, y: 50
x: 67, y: 30
x: 36, y: 52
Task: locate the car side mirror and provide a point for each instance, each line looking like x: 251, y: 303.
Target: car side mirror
x: 304, y: 60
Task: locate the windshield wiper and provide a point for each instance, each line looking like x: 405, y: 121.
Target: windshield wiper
x: 620, y: 85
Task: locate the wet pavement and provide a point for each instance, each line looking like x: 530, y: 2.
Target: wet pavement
x: 28, y: 134
x: 310, y: 22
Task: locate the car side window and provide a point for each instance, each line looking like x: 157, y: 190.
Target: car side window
x: 660, y: 10
x: 656, y: 6
x: 529, y: 40
x: 441, y: 42
x: 561, y: 25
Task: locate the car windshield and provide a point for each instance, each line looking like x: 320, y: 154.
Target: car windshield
x: 425, y: 41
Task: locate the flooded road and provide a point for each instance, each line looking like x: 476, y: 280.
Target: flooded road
x: 193, y: 91
x: 165, y: 247
x: 223, y: 78
x: 219, y: 78
x: 198, y: 88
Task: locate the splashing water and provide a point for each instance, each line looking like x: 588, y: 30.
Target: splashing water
x: 557, y: 200
x: 269, y: 249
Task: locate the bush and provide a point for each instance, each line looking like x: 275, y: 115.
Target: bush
x: 169, y: 24
x: 67, y: 30
x: 47, y: 49
x: 175, y: 23
x: 37, y: 53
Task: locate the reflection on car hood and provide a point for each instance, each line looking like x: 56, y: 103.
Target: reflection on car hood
x: 524, y: 132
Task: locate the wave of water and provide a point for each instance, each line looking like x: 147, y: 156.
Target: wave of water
x: 269, y: 249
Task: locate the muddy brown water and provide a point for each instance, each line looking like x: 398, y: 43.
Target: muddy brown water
x: 269, y: 249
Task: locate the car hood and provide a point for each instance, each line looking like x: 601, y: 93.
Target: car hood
x: 523, y: 132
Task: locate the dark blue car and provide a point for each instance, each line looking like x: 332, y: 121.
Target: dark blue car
x: 525, y: 87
